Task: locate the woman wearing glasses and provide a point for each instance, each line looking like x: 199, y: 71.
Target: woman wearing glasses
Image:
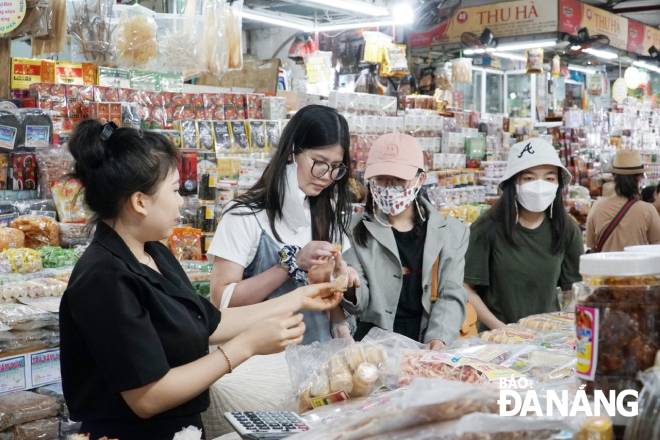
x: 269, y: 237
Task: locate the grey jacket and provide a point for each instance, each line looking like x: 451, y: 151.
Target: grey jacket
x: 379, y: 267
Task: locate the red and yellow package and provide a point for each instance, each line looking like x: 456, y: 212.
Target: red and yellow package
x: 186, y: 243
x: 69, y: 201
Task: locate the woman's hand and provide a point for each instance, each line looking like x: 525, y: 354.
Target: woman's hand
x: 436, y: 344
x: 316, y: 297
x: 314, y: 253
x: 273, y: 335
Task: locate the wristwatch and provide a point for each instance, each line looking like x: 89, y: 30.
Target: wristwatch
x: 288, y: 263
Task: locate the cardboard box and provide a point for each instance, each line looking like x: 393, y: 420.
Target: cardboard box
x: 30, y: 370
x: 27, y: 71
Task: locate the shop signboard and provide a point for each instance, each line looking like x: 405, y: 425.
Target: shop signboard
x: 506, y: 19
x: 574, y: 15
x: 12, y: 14
x: 642, y: 37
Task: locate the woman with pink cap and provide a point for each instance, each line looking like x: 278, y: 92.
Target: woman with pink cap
x: 408, y: 258
x: 526, y: 246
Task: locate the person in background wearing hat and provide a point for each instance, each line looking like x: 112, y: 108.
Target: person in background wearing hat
x: 622, y: 220
x: 526, y: 245
x: 409, y: 259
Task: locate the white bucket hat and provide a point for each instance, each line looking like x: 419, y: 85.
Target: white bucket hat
x: 532, y: 153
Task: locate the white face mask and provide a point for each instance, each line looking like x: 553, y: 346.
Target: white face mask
x: 536, y: 196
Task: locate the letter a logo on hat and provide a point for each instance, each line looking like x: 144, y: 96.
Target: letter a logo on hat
x: 527, y: 149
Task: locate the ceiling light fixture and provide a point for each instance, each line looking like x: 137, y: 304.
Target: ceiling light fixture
x: 354, y: 25
x: 509, y: 56
x: 598, y: 53
x: 403, y: 13
x: 508, y: 47
x: 647, y: 66
x: 352, y: 6
x: 287, y: 22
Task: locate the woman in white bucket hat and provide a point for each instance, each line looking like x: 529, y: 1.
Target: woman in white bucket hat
x: 526, y: 246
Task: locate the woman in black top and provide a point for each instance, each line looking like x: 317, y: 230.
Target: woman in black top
x: 134, y: 335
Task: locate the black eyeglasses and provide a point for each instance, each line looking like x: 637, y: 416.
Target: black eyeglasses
x: 320, y: 169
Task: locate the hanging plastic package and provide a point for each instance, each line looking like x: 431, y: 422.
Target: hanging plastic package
x: 135, y: 37
x: 234, y: 30
x: 90, y: 25
x: 214, y: 54
x: 180, y: 43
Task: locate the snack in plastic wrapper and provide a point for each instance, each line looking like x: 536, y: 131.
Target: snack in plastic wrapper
x: 186, y: 243
x: 69, y: 201
x: 39, y: 230
x: 23, y: 407
x: 55, y: 256
x: 550, y: 321
x: 18, y: 342
x: 22, y: 260
x: 75, y: 234
x: 22, y: 317
x: 336, y: 370
x: 135, y: 38
x: 11, y: 238
x: 49, y: 304
x: 44, y: 429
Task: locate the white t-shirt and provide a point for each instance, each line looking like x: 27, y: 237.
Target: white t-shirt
x: 237, y: 237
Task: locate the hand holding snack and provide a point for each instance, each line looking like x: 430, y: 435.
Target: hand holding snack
x: 321, y: 297
x: 314, y: 253
x: 274, y: 334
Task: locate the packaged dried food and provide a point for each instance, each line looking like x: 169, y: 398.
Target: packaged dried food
x: 23, y: 407
x: 205, y: 130
x: 223, y: 137
x: 90, y: 25
x: 50, y: 304
x: 135, y: 37
x: 22, y: 317
x: 55, y: 256
x: 22, y: 260
x: 39, y: 230
x: 11, y: 238
x: 18, y: 342
x: 69, y: 199
x: 325, y: 373
x: 617, y: 318
x: 552, y: 322
x: 186, y: 243
x: 241, y: 144
x: 44, y: 429
x: 54, y: 165
x: 258, y: 136
x: 462, y: 70
x: 75, y: 234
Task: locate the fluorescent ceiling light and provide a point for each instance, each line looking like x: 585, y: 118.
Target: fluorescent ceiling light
x: 301, y: 25
x: 356, y: 25
x: 605, y: 54
x: 509, y: 56
x: 508, y: 47
x: 647, y: 66
x: 352, y: 6
x: 478, y: 51
x: 581, y: 69
x: 403, y: 13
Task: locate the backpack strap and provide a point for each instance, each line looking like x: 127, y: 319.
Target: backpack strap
x: 605, y: 235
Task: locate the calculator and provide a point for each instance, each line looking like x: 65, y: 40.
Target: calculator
x: 256, y: 425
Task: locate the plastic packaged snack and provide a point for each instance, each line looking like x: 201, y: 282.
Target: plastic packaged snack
x: 11, y: 238
x: 179, y: 45
x: 69, y: 201
x: 186, y: 243
x: 22, y: 260
x: 22, y: 317
x: 39, y: 230
x: 75, y: 234
x: 135, y: 37
x: 338, y: 370
x: 23, y: 407
x: 49, y: 304
x: 18, y: 342
x: 55, y: 256
x: 90, y: 25
x: 44, y: 429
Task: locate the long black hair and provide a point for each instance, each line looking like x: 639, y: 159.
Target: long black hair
x: 312, y: 127
x: 122, y: 163
x: 504, y: 214
x: 360, y: 233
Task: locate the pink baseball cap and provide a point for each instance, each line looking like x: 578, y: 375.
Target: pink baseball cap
x: 396, y: 154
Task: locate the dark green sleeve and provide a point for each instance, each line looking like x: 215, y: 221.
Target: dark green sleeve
x: 477, y: 257
x: 570, y: 267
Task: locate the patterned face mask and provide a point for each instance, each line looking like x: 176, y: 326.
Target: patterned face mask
x: 393, y: 200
